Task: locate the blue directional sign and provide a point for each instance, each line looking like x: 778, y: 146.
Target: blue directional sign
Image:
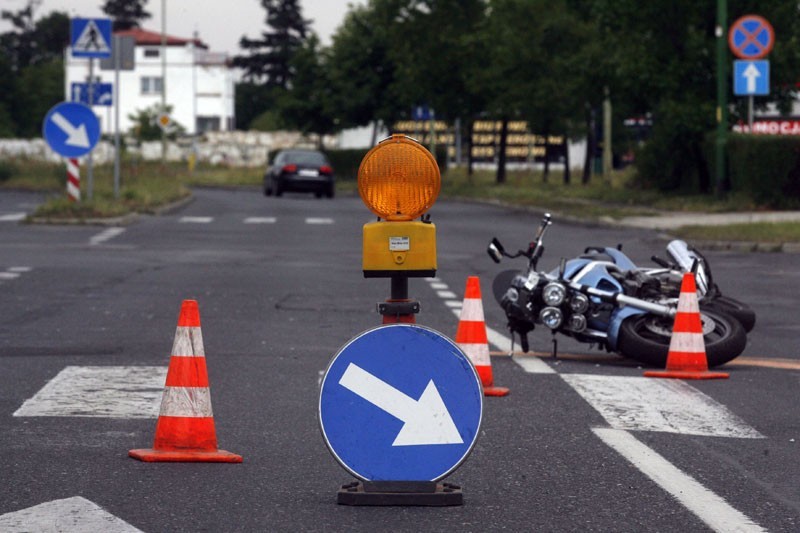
x: 400, y: 402
x: 90, y: 38
x: 71, y: 129
x: 751, y: 77
x: 103, y: 93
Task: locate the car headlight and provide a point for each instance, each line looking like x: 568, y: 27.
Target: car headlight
x: 554, y: 293
x: 579, y: 303
x: 551, y: 317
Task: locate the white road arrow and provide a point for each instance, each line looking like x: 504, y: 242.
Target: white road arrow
x: 75, y: 136
x: 751, y: 73
x: 427, y: 420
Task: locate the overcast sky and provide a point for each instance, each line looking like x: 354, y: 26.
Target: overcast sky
x: 219, y: 23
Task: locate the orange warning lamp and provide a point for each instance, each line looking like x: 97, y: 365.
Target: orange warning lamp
x: 399, y: 180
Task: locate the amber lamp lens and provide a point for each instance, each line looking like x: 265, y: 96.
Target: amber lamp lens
x: 399, y: 179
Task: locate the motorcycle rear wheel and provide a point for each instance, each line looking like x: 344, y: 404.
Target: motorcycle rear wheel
x: 730, y: 306
x: 646, y: 338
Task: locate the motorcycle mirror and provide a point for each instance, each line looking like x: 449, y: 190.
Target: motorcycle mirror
x: 562, y: 268
x: 495, y: 250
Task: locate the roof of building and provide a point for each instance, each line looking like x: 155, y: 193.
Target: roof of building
x: 152, y: 38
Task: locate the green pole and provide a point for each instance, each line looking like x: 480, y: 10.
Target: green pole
x: 722, y: 95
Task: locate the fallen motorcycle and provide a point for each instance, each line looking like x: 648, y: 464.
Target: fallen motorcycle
x: 602, y: 298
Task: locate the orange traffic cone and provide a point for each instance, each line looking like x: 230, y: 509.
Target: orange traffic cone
x: 471, y: 337
x: 185, y: 428
x: 686, y: 358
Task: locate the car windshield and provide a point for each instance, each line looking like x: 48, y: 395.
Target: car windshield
x: 306, y: 158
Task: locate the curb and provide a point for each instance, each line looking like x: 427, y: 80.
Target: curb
x: 124, y: 220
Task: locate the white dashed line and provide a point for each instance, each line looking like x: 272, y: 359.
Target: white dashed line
x: 19, y: 269
x: 260, y: 220
x: 196, y: 220
x: 105, y: 235
x: 317, y: 220
x: 12, y: 217
x: 100, y: 391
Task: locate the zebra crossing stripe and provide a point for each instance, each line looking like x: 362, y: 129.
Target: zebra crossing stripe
x: 70, y: 514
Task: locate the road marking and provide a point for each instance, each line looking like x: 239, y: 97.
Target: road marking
x: 195, y: 220
x: 319, y: 220
x: 260, y: 220
x: 8, y: 275
x: 19, y: 270
x: 446, y: 295
x: 105, y: 235
x: 76, y: 514
x: 671, y: 406
x: 707, y: 506
x: 12, y: 217
x: 100, y: 391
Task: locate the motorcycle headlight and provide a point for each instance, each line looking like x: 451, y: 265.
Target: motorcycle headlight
x: 579, y: 303
x: 554, y: 293
x: 576, y: 323
x: 551, y: 317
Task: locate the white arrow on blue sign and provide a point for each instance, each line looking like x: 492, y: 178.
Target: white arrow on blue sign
x: 71, y: 129
x: 103, y: 93
x: 400, y: 403
x: 751, y: 77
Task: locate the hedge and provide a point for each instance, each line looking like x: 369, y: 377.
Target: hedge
x: 766, y: 168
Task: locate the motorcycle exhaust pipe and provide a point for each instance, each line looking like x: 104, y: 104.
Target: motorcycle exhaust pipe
x: 619, y: 298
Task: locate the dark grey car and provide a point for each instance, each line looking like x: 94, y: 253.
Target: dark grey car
x: 301, y: 171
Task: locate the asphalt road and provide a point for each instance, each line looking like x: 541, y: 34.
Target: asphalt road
x: 280, y: 291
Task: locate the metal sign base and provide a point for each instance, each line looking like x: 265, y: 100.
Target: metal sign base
x: 408, y: 493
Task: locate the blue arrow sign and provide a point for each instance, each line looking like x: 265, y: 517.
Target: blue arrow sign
x: 90, y: 37
x: 71, y: 129
x: 103, y: 93
x: 400, y: 403
x: 751, y: 77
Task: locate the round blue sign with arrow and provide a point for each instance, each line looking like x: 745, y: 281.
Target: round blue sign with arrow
x: 400, y: 402
x: 71, y: 129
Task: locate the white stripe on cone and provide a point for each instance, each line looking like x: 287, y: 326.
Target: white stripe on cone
x: 478, y: 353
x: 687, y: 342
x: 472, y: 311
x: 191, y: 402
x: 687, y: 303
x: 188, y: 342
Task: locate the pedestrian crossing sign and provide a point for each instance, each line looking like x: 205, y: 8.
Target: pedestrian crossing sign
x: 91, y: 38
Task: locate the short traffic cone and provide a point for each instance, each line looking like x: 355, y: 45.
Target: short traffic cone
x: 471, y: 337
x: 686, y: 358
x: 185, y: 428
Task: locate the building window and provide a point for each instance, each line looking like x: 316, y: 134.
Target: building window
x: 152, y: 52
x: 152, y: 85
x: 209, y: 123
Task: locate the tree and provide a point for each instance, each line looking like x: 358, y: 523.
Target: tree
x: 307, y: 104
x: 126, y: 14
x: 364, y: 72
x: 31, y: 68
x: 268, y: 59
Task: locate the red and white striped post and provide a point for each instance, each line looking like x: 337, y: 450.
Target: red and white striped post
x: 73, y: 180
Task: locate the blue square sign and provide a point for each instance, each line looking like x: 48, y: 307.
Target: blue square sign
x: 90, y: 38
x: 751, y: 77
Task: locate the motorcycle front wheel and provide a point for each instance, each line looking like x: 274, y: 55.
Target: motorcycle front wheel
x: 646, y: 338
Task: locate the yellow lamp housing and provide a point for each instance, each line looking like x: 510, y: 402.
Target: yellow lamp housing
x: 399, y: 248
x: 399, y: 180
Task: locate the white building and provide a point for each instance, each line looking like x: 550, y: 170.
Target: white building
x: 199, y: 83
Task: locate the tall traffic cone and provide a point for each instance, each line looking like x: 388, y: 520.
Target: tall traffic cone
x: 686, y: 358
x: 185, y: 428
x: 471, y: 337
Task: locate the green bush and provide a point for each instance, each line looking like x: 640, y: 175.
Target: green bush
x: 6, y: 171
x: 766, y: 168
x: 346, y: 162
